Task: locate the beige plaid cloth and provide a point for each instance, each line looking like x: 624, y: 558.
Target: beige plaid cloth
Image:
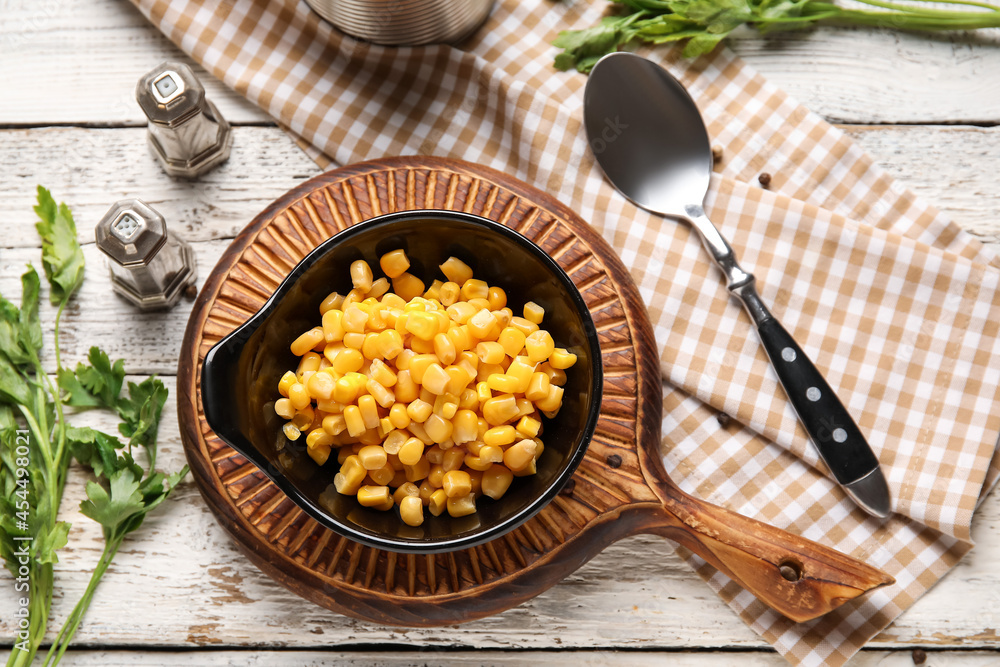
x: 897, y: 305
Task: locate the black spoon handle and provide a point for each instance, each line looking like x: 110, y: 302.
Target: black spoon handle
x: 830, y: 427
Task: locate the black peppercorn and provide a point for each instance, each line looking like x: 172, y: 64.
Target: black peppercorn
x: 723, y: 419
x: 765, y: 179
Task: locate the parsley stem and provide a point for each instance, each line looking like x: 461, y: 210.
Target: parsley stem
x: 68, y: 630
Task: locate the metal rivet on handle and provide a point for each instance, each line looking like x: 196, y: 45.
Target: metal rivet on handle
x: 788, y: 354
x: 813, y: 394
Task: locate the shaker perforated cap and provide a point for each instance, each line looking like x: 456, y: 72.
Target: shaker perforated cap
x: 131, y: 232
x: 170, y: 93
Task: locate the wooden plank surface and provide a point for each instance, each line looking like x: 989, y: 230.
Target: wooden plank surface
x: 902, y: 658
x: 181, y: 582
x: 846, y: 75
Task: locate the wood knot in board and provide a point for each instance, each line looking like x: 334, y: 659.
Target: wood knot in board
x: 614, y: 460
x: 568, y: 487
x: 919, y: 656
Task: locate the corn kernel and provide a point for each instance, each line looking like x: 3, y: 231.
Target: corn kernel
x: 394, y: 263
x: 527, y: 327
x: 533, y: 312
x: 528, y: 427
x: 291, y: 432
x: 444, y: 348
x: 333, y: 301
x: 486, y: 370
x: 298, y: 396
x: 456, y: 270
x: 422, y: 325
x: 551, y: 402
x: 348, y: 361
x: 560, y: 359
x: 405, y: 489
x: 419, y: 364
x: 426, y: 491
x: 361, y: 275
x: 538, y: 387
x: 503, y: 383
x: 498, y: 436
x: 319, y: 438
x: 418, y: 411
x: 418, y: 471
x: 381, y: 476
x: 463, y: 506
x: 496, y: 481
x: 468, y: 399
x: 286, y: 382
x: 354, y: 340
x: 519, y: 455
x: 303, y: 418
x: 481, y: 324
x: 475, y: 289
x: 354, y: 319
x: 464, y: 426
x: 479, y: 303
x: 457, y: 483
x: 284, y: 409
x: 435, y: 379
x: 458, y: 379
x: 369, y: 411
x: 452, y: 459
x: 435, y: 455
x: 512, y: 341
x: 434, y: 291
x: 490, y: 352
x: 374, y: 496
x: 437, y: 502
x: 350, y: 477
x: 369, y: 348
x: 354, y: 296
x: 416, y: 429
x: 436, y: 476
x: 476, y: 464
x: 437, y: 428
x: 308, y: 363
x: 405, y: 389
x: 334, y: 424
x: 320, y: 454
x: 407, y: 286
x: 539, y: 346
x: 355, y: 422
x: 389, y: 344
x: 384, y: 397
x: 307, y: 341
x: 449, y: 293
x: 461, y: 312
x: 411, y: 511
x: 320, y: 386
x: 497, y: 297
x: 411, y: 452
x: 394, y: 441
x: 491, y: 454
x: 398, y: 415
x: 372, y: 457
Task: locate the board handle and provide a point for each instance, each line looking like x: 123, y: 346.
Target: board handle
x: 796, y: 577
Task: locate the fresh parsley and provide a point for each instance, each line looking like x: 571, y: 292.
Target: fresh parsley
x: 33, y: 422
x: 705, y: 23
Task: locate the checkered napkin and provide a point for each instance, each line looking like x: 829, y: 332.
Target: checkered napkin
x: 895, y: 304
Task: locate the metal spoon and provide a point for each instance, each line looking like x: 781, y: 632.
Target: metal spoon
x: 649, y: 138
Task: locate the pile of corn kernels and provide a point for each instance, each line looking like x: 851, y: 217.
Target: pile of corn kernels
x: 432, y: 396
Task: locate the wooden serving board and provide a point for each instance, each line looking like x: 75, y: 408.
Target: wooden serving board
x: 619, y: 489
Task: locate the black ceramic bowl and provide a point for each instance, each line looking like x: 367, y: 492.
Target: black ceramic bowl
x: 240, y: 374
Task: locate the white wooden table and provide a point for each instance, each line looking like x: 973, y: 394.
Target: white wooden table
x: 179, y: 592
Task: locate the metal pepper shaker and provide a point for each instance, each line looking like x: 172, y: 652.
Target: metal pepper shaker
x: 186, y: 132
x: 150, y: 267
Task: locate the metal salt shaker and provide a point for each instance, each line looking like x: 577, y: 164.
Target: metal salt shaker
x: 150, y: 267
x: 186, y: 132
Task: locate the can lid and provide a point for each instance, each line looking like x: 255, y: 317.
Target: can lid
x: 131, y: 232
x: 170, y: 94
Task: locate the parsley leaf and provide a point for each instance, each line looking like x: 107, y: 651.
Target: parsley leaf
x: 62, y: 257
